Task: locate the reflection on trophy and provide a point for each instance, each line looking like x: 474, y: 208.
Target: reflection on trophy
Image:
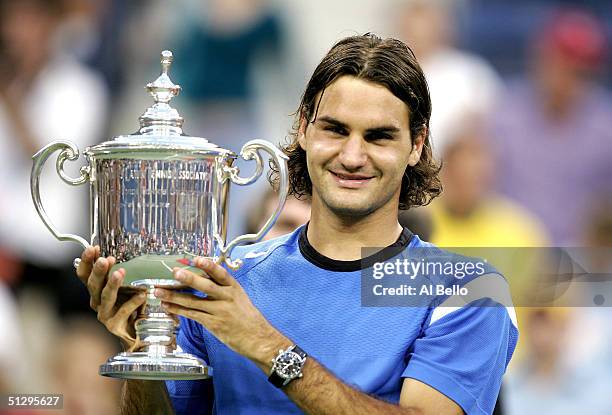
x: 158, y: 198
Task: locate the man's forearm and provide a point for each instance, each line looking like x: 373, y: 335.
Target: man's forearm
x: 320, y: 393
x: 145, y: 397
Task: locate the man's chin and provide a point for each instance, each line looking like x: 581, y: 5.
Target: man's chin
x: 351, y: 209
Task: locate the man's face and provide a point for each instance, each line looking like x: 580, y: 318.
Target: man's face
x: 358, y: 147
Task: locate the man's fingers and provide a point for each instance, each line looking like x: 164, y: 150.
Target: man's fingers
x: 189, y: 313
x: 127, y: 308
x: 200, y: 283
x: 90, y: 254
x: 108, y: 298
x: 186, y: 300
x: 97, y: 279
x: 118, y: 324
x: 215, y: 271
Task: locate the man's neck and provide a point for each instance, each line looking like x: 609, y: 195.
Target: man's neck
x: 342, y: 238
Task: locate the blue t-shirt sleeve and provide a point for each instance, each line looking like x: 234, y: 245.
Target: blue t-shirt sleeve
x: 194, y: 397
x: 464, y: 354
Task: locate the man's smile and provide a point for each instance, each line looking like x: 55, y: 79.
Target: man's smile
x: 351, y: 180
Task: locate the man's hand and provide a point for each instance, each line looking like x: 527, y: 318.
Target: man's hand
x: 116, y: 316
x: 227, y: 312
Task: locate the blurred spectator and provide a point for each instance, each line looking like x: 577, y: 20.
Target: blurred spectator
x: 83, y: 345
x: 590, y: 332
x: 220, y: 45
x: 459, y: 83
x: 11, y: 343
x: 488, y: 24
x: 295, y: 213
x: 469, y: 212
x: 566, y: 354
x: 217, y: 55
x: 553, y: 129
x: 543, y: 383
x: 598, y: 231
x: 39, y: 325
x: 92, y: 32
x: 44, y: 96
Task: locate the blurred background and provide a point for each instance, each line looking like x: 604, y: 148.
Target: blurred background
x: 522, y: 120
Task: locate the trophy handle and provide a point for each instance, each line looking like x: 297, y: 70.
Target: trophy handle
x: 250, y: 151
x: 69, y: 151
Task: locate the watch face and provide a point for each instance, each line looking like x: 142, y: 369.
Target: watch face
x: 289, y: 365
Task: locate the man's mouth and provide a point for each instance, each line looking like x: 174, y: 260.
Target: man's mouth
x: 351, y: 180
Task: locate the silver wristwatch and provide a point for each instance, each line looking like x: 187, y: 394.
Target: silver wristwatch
x: 287, y: 366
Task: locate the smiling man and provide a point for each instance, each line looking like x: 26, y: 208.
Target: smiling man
x: 287, y: 332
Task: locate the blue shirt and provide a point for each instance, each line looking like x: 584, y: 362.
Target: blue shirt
x: 317, y: 303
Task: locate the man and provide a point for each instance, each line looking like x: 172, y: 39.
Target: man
x: 558, y: 102
x: 361, y: 151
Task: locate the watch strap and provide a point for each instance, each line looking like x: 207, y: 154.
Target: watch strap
x: 300, y: 352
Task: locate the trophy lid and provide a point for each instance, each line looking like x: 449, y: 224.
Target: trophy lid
x: 161, y: 126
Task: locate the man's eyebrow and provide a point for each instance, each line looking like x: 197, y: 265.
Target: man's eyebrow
x: 338, y: 123
x: 383, y: 129
x: 331, y: 120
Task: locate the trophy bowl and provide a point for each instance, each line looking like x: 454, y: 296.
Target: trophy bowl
x: 158, y: 198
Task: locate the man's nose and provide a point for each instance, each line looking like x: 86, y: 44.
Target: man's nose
x: 353, y: 153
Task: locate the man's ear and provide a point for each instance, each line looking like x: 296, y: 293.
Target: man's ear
x: 417, y: 147
x: 302, y: 132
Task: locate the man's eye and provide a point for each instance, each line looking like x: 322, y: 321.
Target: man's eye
x: 335, y: 129
x: 378, y: 136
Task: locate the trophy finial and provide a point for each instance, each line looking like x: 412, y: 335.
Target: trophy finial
x: 166, y: 60
x: 163, y: 89
x: 161, y: 118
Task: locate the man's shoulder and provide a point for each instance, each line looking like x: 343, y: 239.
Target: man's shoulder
x: 417, y: 242
x: 431, y: 254
x: 479, y: 283
x: 428, y: 250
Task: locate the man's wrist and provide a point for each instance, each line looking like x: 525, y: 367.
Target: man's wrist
x: 267, y: 350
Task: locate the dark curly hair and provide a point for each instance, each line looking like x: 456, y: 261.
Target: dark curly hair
x: 388, y: 62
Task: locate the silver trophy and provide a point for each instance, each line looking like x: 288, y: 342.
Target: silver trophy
x: 159, y: 198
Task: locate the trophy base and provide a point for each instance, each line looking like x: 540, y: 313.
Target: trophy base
x: 166, y: 366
